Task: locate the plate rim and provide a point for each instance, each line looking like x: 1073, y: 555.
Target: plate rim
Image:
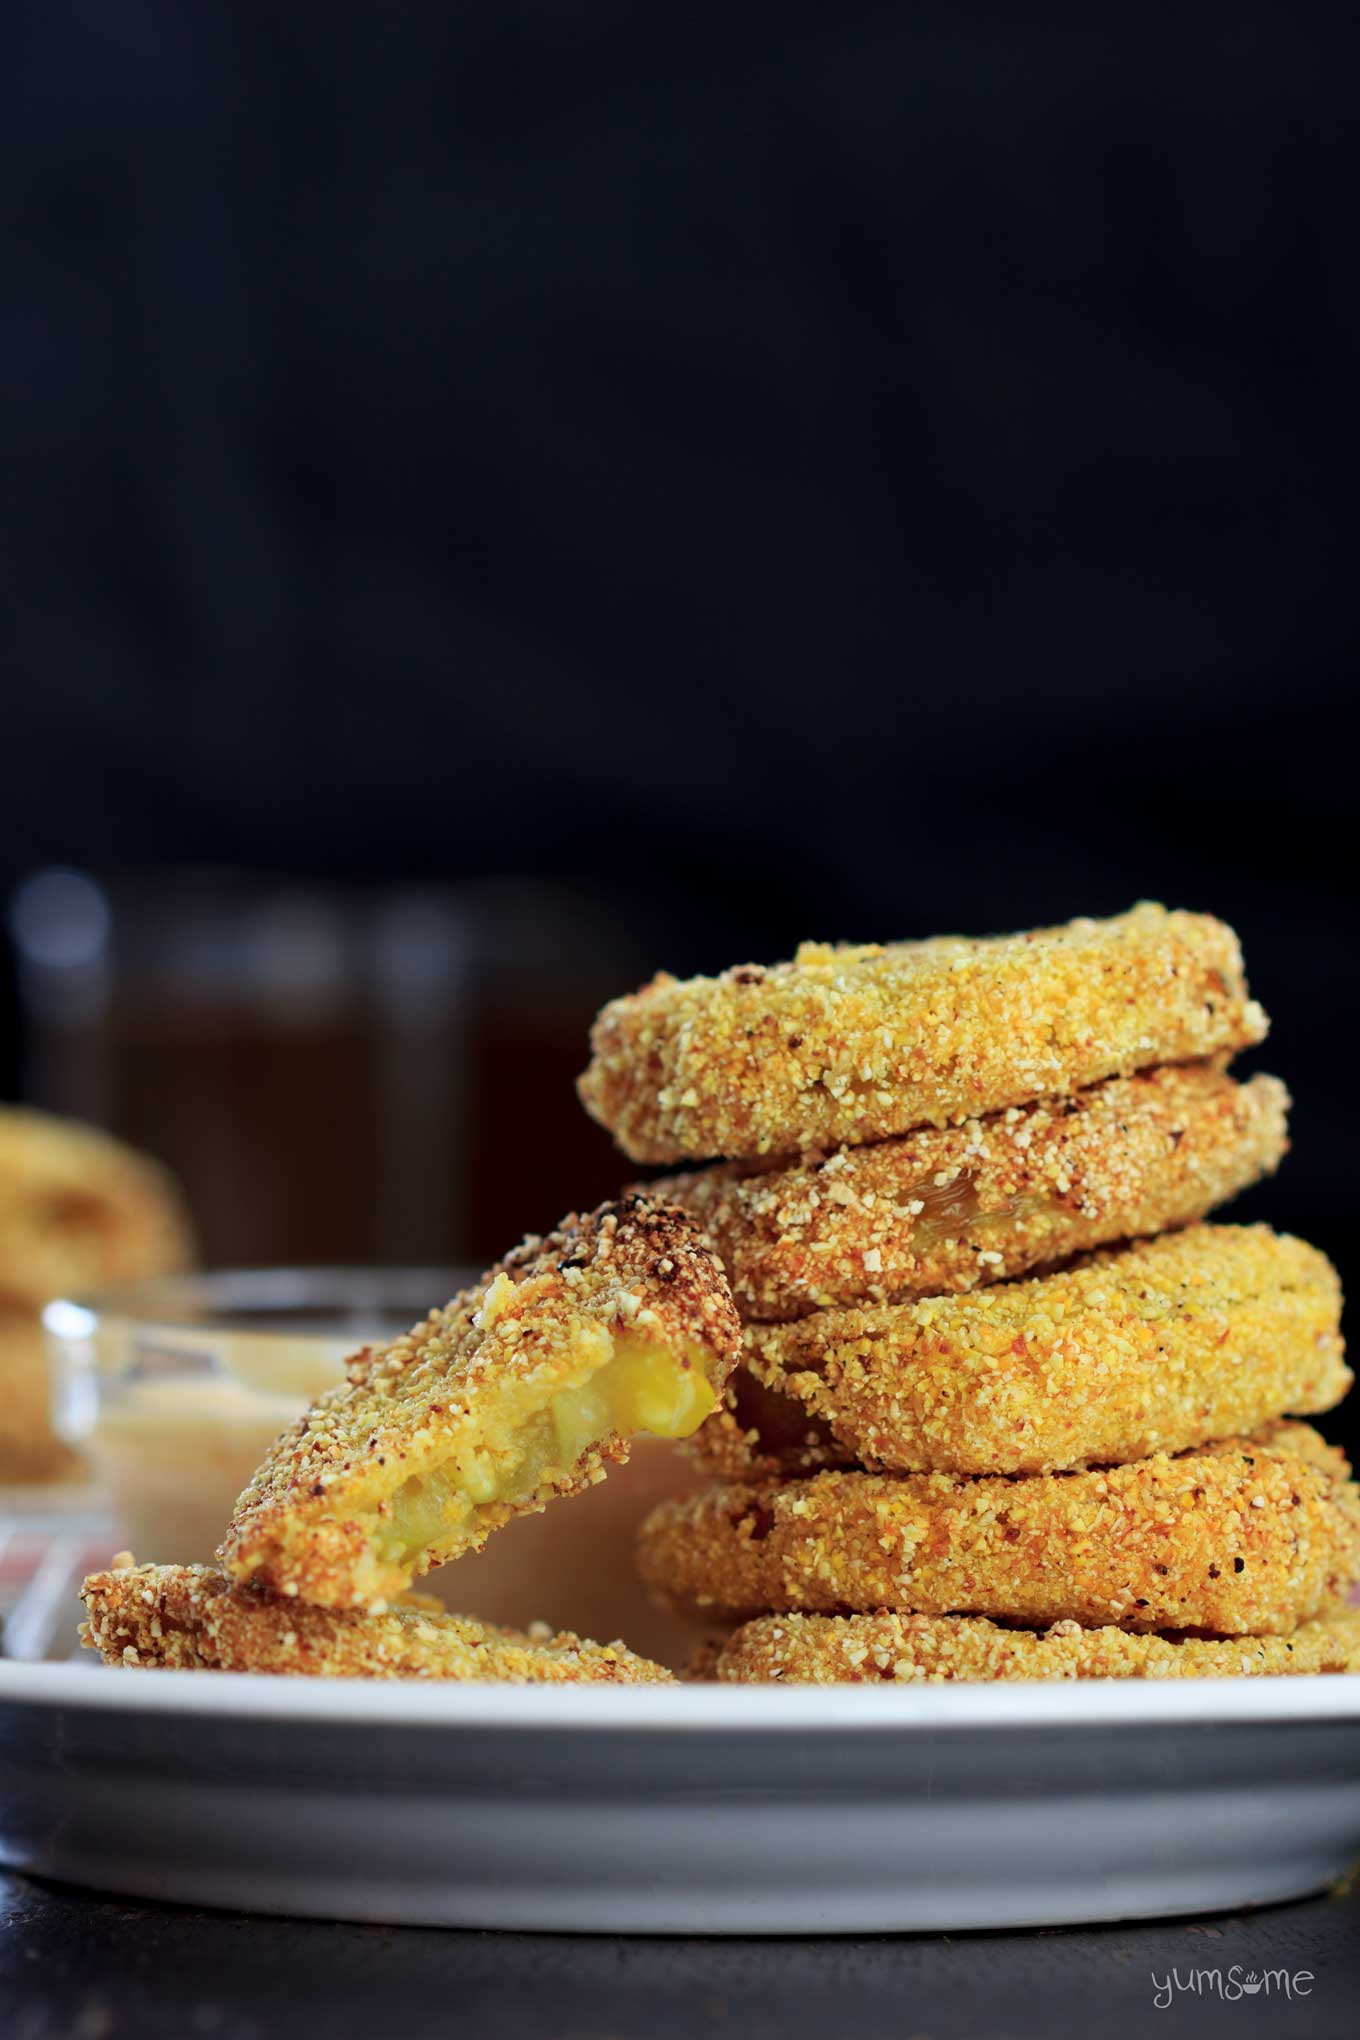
x: 749, y: 1710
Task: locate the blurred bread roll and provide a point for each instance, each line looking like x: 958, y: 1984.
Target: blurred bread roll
x: 80, y: 1211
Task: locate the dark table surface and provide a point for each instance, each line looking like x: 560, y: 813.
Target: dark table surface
x: 78, y: 1967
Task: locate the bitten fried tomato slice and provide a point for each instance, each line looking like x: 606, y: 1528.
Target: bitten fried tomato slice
x: 520, y: 1389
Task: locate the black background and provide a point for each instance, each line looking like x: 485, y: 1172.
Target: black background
x: 853, y: 474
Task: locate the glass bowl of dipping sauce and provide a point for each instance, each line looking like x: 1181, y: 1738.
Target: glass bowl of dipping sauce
x: 174, y: 1390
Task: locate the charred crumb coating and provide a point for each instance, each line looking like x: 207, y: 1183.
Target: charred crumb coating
x: 29, y: 1449
x: 79, y: 1211
x: 1242, y: 1538
x: 520, y: 1389
x: 857, y: 1044
x: 954, y: 1208
x: 827, y: 1650
x: 189, y: 1618
x: 1207, y: 1333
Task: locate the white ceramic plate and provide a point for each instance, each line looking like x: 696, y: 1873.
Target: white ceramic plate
x: 681, y: 1810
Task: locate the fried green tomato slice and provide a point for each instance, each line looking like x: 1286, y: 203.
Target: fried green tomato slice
x: 905, y: 1650
x: 1202, y: 1334
x: 859, y: 1044
x: 1246, y: 1537
x: 953, y: 1208
x: 518, y: 1390
x: 190, y: 1618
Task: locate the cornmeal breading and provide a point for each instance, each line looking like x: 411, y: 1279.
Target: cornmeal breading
x: 1242, y: 1538
x: 189, y: 1618
x: 953, y: 1208
x: 828, y: 1650
x: 29, y: 1449
x: 79, y: 1210
x: 857, y: 1044
x: 1306, y: 1443
x: 1202, y: 1334
x: 520, y: 1389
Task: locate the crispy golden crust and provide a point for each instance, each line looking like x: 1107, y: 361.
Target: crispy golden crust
x: 189, y: 1618
x: 856, y: 1044
x: 1243, y: 1538
x: 29, y: 1449
x: 1306, y: 1443
x: 953, y: 1208
x: 1202, y: 1334
x: 466, y: 1386
x: 828, y: 1650
x: 79, y: 1211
